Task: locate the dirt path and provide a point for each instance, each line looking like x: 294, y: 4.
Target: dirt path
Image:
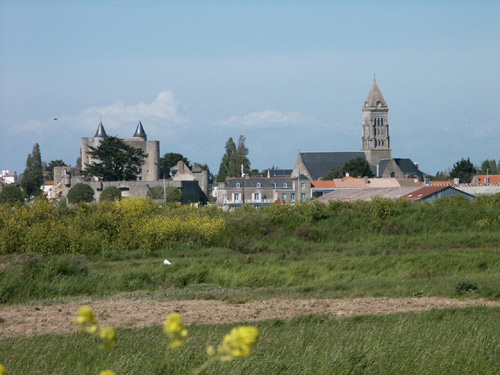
x: 35, y: 320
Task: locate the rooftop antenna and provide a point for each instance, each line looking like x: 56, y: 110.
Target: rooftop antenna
x: 374, y: 80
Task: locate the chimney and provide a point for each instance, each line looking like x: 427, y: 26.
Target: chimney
x: 416, y: 164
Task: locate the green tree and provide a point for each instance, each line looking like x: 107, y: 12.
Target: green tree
x: 80, y: 193
x: 170, y: 160
x: 358, y: 167
x: 48, y: 170
x: 224, y: 164
x: 238, y: 159
x: 111, y: 193
x: 489, y: 167
x: 11, y: 194
x: 115, y: 161
x: 464, y: 170
x: 171, y: 193
x: 335, y: 172
x: 33, y: 174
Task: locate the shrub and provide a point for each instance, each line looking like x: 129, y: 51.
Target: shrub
x: 11, y: 194
x: 80, y: 193
x: 171, y: 193
x: 111, y: 193
x: 464, y: 287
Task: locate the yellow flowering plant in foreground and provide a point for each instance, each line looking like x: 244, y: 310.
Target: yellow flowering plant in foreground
x: 236, y: 344
x: 2, y: 369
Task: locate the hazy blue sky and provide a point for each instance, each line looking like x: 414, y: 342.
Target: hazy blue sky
x: 289, y: 75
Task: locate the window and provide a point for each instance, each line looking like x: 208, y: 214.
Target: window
x: 238, y: 185
x: 275, y: 184
x: 303, y: 196
x: 285, y: 185
x: 256, y: 197
x: 259, y: 185
x: 284, y: 197
x: 236, y: 197
x: 292, y: 197
x: 303, y: 186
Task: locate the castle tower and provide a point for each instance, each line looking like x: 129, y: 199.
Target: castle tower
x: 94, y: 141
x: 375, y: 141
x: 140, y: 133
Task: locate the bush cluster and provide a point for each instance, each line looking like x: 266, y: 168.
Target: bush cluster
x: 130, y: 224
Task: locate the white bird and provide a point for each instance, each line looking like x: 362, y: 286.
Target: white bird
x: 166, y: 262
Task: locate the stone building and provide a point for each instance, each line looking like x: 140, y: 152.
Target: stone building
x: 260, y: 191
x: 150, y: 170
x: 375, y: 147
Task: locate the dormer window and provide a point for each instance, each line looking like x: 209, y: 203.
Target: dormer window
x: 238, y: 185
x: 285, y: 185
x: 259, y: 185
x: 275, y: 184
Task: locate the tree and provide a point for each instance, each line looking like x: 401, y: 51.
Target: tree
x: 11, y: 194
x: 224, y: 164
x: 357, y: 167
x: 80, y: 193
x: 464, y: 170
x: 111, y: 193
x: 335, y: 172
x: 171, y: 193
x: 33, y: 174
x: 170, y: 160
x: 238, y: 159
x: 48, y: 171
x: 115, y: 161
x: 489, y: 167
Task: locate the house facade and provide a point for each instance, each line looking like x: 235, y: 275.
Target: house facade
x: 260, y: 191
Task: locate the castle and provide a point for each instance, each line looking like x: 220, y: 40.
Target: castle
x: 192, y: 182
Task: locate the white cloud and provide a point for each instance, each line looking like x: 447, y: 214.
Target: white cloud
x: 118, y: 117
x: 267, y: 119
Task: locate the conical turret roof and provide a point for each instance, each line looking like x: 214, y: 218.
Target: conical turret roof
x: 375, y: 97
x: 100, y: 133
x: 139, y: 132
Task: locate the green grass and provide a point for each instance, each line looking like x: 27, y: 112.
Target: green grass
x: 454, y: 341
x: 298, y: 270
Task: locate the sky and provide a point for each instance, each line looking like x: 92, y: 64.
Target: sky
x: 288, y: 75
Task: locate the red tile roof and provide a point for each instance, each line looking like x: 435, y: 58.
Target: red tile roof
x: 323, y: 184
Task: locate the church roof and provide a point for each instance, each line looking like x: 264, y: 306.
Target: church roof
x: 406, y: 166
x: 100, y: 133
x: 375, y: 97
x: 139, y: 132
x: 319, y: 163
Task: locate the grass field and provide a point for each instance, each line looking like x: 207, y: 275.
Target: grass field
x: 383, y: 249
x: 463, y: 341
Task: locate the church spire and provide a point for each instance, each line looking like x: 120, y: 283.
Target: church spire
x: 375, y: 97
x: 100, y: 133
x: 375, y: 140
x: 139, y: 132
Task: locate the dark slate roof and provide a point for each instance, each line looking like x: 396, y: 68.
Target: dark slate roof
x: 139, y: 132
x: 264, y: 182
x: 280, y: 172
x: 406, y: 166
x: 100, y: 133
x: 196, y: 169
x: 319, y: 163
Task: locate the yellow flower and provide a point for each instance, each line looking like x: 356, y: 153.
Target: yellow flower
x: 86, y: 320
x: 2, y: 370
x: 108, y: 337
x: 175, y: 330
x: 238, y: 343
x: 107, y: 372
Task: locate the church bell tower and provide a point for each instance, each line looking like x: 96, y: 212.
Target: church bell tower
x: 375, y: 141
